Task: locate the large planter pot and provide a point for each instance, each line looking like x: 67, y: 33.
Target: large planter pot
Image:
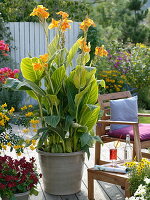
x: 19, y: 196
x: 61, y: 172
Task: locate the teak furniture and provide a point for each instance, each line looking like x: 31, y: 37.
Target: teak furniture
x: 102, y: 129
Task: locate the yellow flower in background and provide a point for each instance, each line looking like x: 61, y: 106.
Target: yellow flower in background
x: 16, y: 146
x: 34, y: 130
x: 4, y: 146
x: 4, y: 105
x: 29, y: 114
x: 40, y: 11
x: 44, y: 57
x: 34, y: 121
x: 37, y: 66
x: 9, y: 144
x: 2, y: 122
x: 100, y: 51
x: 54, y: 24
x: 86, y: 24
x: 32, y: 147
x: 30, y: 106
x: 11, y: 110
x: 19, y: 154
x: 24, y: 108
x: 28, y: 141
x: 26, y: 130
x: 63, y: 14
x: 33, y: 142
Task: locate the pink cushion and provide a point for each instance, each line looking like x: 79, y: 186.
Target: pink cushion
x: 144, y: 130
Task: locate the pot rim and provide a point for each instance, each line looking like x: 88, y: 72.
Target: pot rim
x: 60, y: 154
x: 20, y: 194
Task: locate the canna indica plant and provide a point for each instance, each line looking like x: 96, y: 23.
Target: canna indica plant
x: 67, y: 103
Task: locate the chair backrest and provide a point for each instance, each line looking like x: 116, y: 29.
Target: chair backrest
x: 104, y: 101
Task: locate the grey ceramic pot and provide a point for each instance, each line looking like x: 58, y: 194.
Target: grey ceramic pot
x: 61, y: 172
x: 19, y: 196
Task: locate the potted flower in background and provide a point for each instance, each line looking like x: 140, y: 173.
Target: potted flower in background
x: 67, y: 104
x: 139, y: 179
x: 18, y: 178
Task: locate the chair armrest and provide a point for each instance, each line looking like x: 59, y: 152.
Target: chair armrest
x: 143, y: 114
x: 116, y: 122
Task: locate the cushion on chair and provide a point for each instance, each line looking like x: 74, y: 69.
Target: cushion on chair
x: 123, y: 110
x: 144, y: 130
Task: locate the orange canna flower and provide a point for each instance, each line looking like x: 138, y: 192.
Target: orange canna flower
x: 44, y: 57
x: 37, y: 66
x: 86, y: 24
x: 84, y: 46
x: 53, y: 24
x: 65, y: 24
x: 100, y: 51
x: 40, y: 11
x: 63, y: 14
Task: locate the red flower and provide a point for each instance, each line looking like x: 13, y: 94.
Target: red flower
x: 2, y: 186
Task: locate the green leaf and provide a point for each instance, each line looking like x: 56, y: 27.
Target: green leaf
x: 101, y: 82
x: 88, y: 115
x: 43, y: 138
x: 91, y: 96
x: 53, y: 99
x: 35, y: 88
x: 53, y: 46
x: 68, y: 122
x: 86, y: 139
x: 52, y: 120
x: 34, y: 191
x: 27, y: 69
x: 71, y: 92
x: 58, y: 77
x: 72, y: 52
x: 15, y: 84
x: 83, y: 59
x: 80, y: 95
x: 79, y: 78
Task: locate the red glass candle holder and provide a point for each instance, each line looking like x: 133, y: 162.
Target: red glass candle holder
x: 113, y: 154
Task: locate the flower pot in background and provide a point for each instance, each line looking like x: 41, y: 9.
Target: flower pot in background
x: 62, y: 172
x: 19, y: 196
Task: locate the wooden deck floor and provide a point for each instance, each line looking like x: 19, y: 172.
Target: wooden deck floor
x: 102, y: 190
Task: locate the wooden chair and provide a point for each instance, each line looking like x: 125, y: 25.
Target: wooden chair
x: 102, y: 127
x: 102, y: 130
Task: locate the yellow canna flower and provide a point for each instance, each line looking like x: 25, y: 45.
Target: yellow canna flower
x: 37, y: 66
x: 65, y: 24
x: 63, y: 14
x: 40, y: 11
x: 83, y: 45
x: 86, y: 24
x: 2, y: 122
x: 44, y: 57
x: 4, y: 105
x: 100, y: 51
x: 53, y: 24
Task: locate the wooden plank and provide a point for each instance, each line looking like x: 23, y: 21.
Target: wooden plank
x: 42, y: 41
x: 32, y: 39
x: 26, y: 39
x: 37, y: 39
x: 22, y: 40
x: 17, y: 41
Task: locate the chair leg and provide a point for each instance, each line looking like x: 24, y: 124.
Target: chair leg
x: 137, y: 144
x: 90, y: 186
x: 127, y: 189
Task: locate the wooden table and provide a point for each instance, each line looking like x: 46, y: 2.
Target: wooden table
x: 109, y: 177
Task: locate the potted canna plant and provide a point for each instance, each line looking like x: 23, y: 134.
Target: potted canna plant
x: 67, y: 104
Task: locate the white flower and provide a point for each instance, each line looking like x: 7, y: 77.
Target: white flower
x: 140, y: 191
x: 147, y: 180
